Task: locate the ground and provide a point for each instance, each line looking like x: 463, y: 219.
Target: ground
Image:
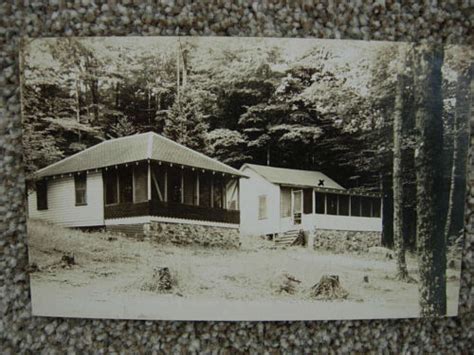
x: 112, y: 274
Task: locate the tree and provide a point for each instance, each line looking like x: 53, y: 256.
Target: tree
x: 401, y: 143
x: 185, y: 123
x: 228, y: 146
x: 460, y: 142
x: 430, y: 179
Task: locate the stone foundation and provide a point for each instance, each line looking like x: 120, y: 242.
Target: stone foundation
x: 192, y: 234
x: 339, y: 242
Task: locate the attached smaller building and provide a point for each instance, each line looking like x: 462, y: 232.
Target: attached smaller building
x: 277, y: 200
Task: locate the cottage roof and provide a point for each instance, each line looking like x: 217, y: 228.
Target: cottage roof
x: 294, y: 177
x: 134, y: 148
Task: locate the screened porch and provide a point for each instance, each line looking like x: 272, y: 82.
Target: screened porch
x: 166, y: 190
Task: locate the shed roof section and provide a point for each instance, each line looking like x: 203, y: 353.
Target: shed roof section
x: 294, y: 177
x: 135, y: 148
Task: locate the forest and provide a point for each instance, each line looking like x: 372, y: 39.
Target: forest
x: 383, y: 117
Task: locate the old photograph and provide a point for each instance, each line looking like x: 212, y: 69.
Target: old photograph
x: 213, y: 178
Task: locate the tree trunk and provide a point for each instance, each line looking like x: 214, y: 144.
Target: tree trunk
x: 431, y: 190
x: 457, y: 191
x: 398, y: 222
x: 177, y: 76
x: 387, y: 211
x: 94, y: 87
x: 78, y: 108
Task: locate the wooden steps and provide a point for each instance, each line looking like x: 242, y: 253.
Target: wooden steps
x: 288, y: 238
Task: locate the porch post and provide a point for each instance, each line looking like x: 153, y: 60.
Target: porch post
x: 350, y: 205
x: 182, y: 185
x: 314, y: 201
x: 165, y: 188
x: 238, y: 194
x: 212, y: 190
x: 197, y: 188
x: 149, y: 181
x: 224, y: 194
x: 325, y: 203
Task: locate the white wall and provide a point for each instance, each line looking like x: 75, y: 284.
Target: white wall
x: 250, y: 190
x: 61, y: 203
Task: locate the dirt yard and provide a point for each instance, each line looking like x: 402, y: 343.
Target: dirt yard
x: 112, y: 274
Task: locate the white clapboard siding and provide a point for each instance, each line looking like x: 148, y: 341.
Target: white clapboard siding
x: 62, y: 207
x: 250, y: 190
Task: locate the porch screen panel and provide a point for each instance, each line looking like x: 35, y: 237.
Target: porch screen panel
x: 218, y: 192
x: 189, y: 187
x: 158, y: 182
x: 111, y: 187
x: 308, y: 201
x: 376, y: 205
x: 285, y: 203
x: 343, y: 205
x: 125, y: 185
x: 331, y: 201
x: 204, y: 190
x: 366, y: 206
x: 174, y: 185
x: 355, y: 206
x: 141, y: 183
x: 232, y: 194
x: 320, y: 201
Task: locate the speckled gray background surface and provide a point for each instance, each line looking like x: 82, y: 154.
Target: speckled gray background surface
x: 449, y: 21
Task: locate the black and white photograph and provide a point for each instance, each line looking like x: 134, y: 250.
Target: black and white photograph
x: 214, y: 178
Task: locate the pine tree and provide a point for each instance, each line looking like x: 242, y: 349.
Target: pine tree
x: 430, y: 176
x: 185, y: 123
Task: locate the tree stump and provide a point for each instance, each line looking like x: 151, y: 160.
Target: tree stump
x: 162, y: 276
x: 288, y: 284
x: 329, y: 288
x: 68, y: 260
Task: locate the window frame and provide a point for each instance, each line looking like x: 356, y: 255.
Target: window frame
x: 41, y: 184
x: 262, y: 216
x: 84, y: 189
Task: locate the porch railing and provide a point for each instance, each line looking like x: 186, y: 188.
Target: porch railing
x: 172, y: 210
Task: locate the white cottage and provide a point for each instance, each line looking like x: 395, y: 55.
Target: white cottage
x: 137, y: 184
x: 277, y: 200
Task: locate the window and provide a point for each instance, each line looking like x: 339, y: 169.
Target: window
x: 141, y: 183
x: 285, y: 202
x: 343, y: 205
x: 41, y: 195
x: 111, y: 187
x: 331, y: 201
x: 366, y: 204
x: 125, y: 185
x: 355, y: 206
x: 376, y: 207
x: 320, y: 202
x: 80, y: 186
x: 262, y: 207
